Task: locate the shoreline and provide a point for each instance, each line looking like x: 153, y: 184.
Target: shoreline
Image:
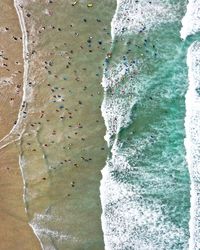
x: 24, y: 97
x: 14, y: 230
x: 25, y: 58
x: 7, y: 139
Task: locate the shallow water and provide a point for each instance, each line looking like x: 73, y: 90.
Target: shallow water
x: 62, y: 147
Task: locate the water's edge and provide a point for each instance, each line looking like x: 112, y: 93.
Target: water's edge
x: 19, y: 128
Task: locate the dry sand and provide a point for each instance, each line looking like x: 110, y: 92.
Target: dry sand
x: 15, y: 232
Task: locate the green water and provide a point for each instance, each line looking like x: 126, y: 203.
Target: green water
x: 147, y: 152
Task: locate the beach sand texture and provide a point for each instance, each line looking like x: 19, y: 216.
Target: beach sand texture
x: 62, y: 149
x: 15, y: 233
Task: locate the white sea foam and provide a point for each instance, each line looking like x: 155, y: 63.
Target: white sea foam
x: 128, y: 221
x: 190, y: 26
x: 47, y: 236
x: 191, y: 20
x: 123, y: 91
x: 136, y: 17
x: 116, y: 115
x: 192, y: 142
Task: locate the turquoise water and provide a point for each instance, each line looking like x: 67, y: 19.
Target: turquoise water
x: 144, y: 110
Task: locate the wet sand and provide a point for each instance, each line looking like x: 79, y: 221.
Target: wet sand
x: 11, y: 67
x: 15, y: 233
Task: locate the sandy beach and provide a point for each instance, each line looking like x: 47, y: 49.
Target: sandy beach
x: 15, y: 233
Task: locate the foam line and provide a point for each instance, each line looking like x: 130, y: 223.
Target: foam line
x: 191, y: 20
x: 19, y: 127
x: 192, y: 141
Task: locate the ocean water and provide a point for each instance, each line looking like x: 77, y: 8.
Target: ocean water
x: 150, y: 185
x: 147, y: 180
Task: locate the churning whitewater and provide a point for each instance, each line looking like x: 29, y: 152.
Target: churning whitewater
x: 192, y: 123
x: 191, y: 26
x: 145, y: 189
